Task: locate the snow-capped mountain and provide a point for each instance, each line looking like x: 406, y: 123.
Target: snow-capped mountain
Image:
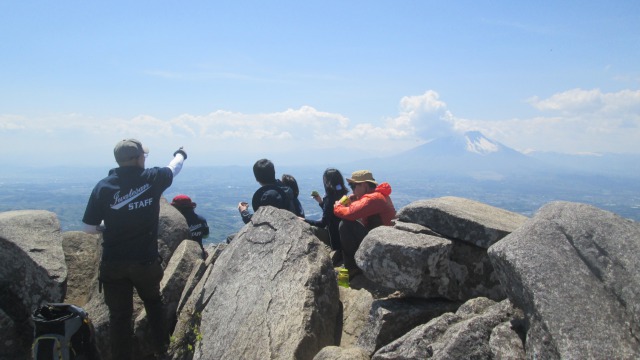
x: 470, y: 153
x: 472, y: 142
x: 474, y: 155
x: 477, y: 143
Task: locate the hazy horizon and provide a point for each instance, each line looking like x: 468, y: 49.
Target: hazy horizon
x: 65, y: 191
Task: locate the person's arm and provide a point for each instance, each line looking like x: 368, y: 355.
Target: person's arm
x: 365, y: 206
x: 327, y: 210
x: 178, y: 159
x: 93, y: 219
x: 244, y: 212
x: 93, y: 229
x: 246, y: 216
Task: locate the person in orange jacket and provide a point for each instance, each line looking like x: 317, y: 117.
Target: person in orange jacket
x: 368, y: 207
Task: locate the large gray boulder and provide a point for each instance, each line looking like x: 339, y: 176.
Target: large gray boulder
x: 172, y: 229
x: 176, y: 275
x: 463, y: 219
x: 198, y: 271
x: 82, y: 253
x: 272, y: 293
x: 33, y: 272
x: 186, y: 334
x: 356, y: 307
x: 417, y: 263
x: 575, y: 271
x: 464, y: 334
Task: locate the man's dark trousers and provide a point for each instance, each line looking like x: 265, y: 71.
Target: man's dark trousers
x: 351, y: 235
x: 118, y: 281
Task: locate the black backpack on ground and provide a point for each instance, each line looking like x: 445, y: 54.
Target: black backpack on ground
x: 63, y: 331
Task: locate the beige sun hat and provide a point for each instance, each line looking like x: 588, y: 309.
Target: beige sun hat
x: 361, y: 176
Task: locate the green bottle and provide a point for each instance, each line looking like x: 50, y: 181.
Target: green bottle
x: 343, y: 277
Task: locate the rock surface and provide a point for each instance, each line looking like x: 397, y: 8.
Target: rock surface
x: 341, y: 353
x: 185, y: 258
x: 571, y: 274
x: 419, y: 263
x: 33, y: 272
x: 82, y: 253
x: 172, y: 229
x: 392, y: 318
x: 575, y: 271
x: 272, y: 293
x: 463, y: 335
x: 356, y: 306
x: 463, y: 219
x: 415, y: 264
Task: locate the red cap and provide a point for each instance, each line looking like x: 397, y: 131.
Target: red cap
x: 183, y: 201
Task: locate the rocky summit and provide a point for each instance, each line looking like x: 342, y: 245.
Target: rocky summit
x: 451, y: 279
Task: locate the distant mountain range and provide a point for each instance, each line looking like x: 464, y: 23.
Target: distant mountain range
x: 474, y: 155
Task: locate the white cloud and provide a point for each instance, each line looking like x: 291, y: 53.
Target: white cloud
x: 11, y: 122
x: 575, y: 121
x: 581, y: 121
x: 222, y: 135
x: 586, y: 102
x: 428, y: 102
x: 424, y: 116
x: 573, y: 100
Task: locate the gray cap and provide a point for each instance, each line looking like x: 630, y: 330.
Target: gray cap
x: 128, y: 149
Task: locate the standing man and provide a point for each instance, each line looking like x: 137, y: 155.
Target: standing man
x: 125, y: 207
x: 368, y: 207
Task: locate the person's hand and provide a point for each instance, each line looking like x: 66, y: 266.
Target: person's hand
x: 181, y: 151
x: 316, y: 196
x: 242, y: 206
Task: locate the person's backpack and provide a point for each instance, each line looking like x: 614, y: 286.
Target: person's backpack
x: 285, y: 200
x: 290, y: 202
x: 63, y: 331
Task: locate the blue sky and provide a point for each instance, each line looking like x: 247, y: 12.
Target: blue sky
x: 316, y: 81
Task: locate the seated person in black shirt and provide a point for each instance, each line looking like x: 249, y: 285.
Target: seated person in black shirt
x: 271, y: 192
x: 198, y: 227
